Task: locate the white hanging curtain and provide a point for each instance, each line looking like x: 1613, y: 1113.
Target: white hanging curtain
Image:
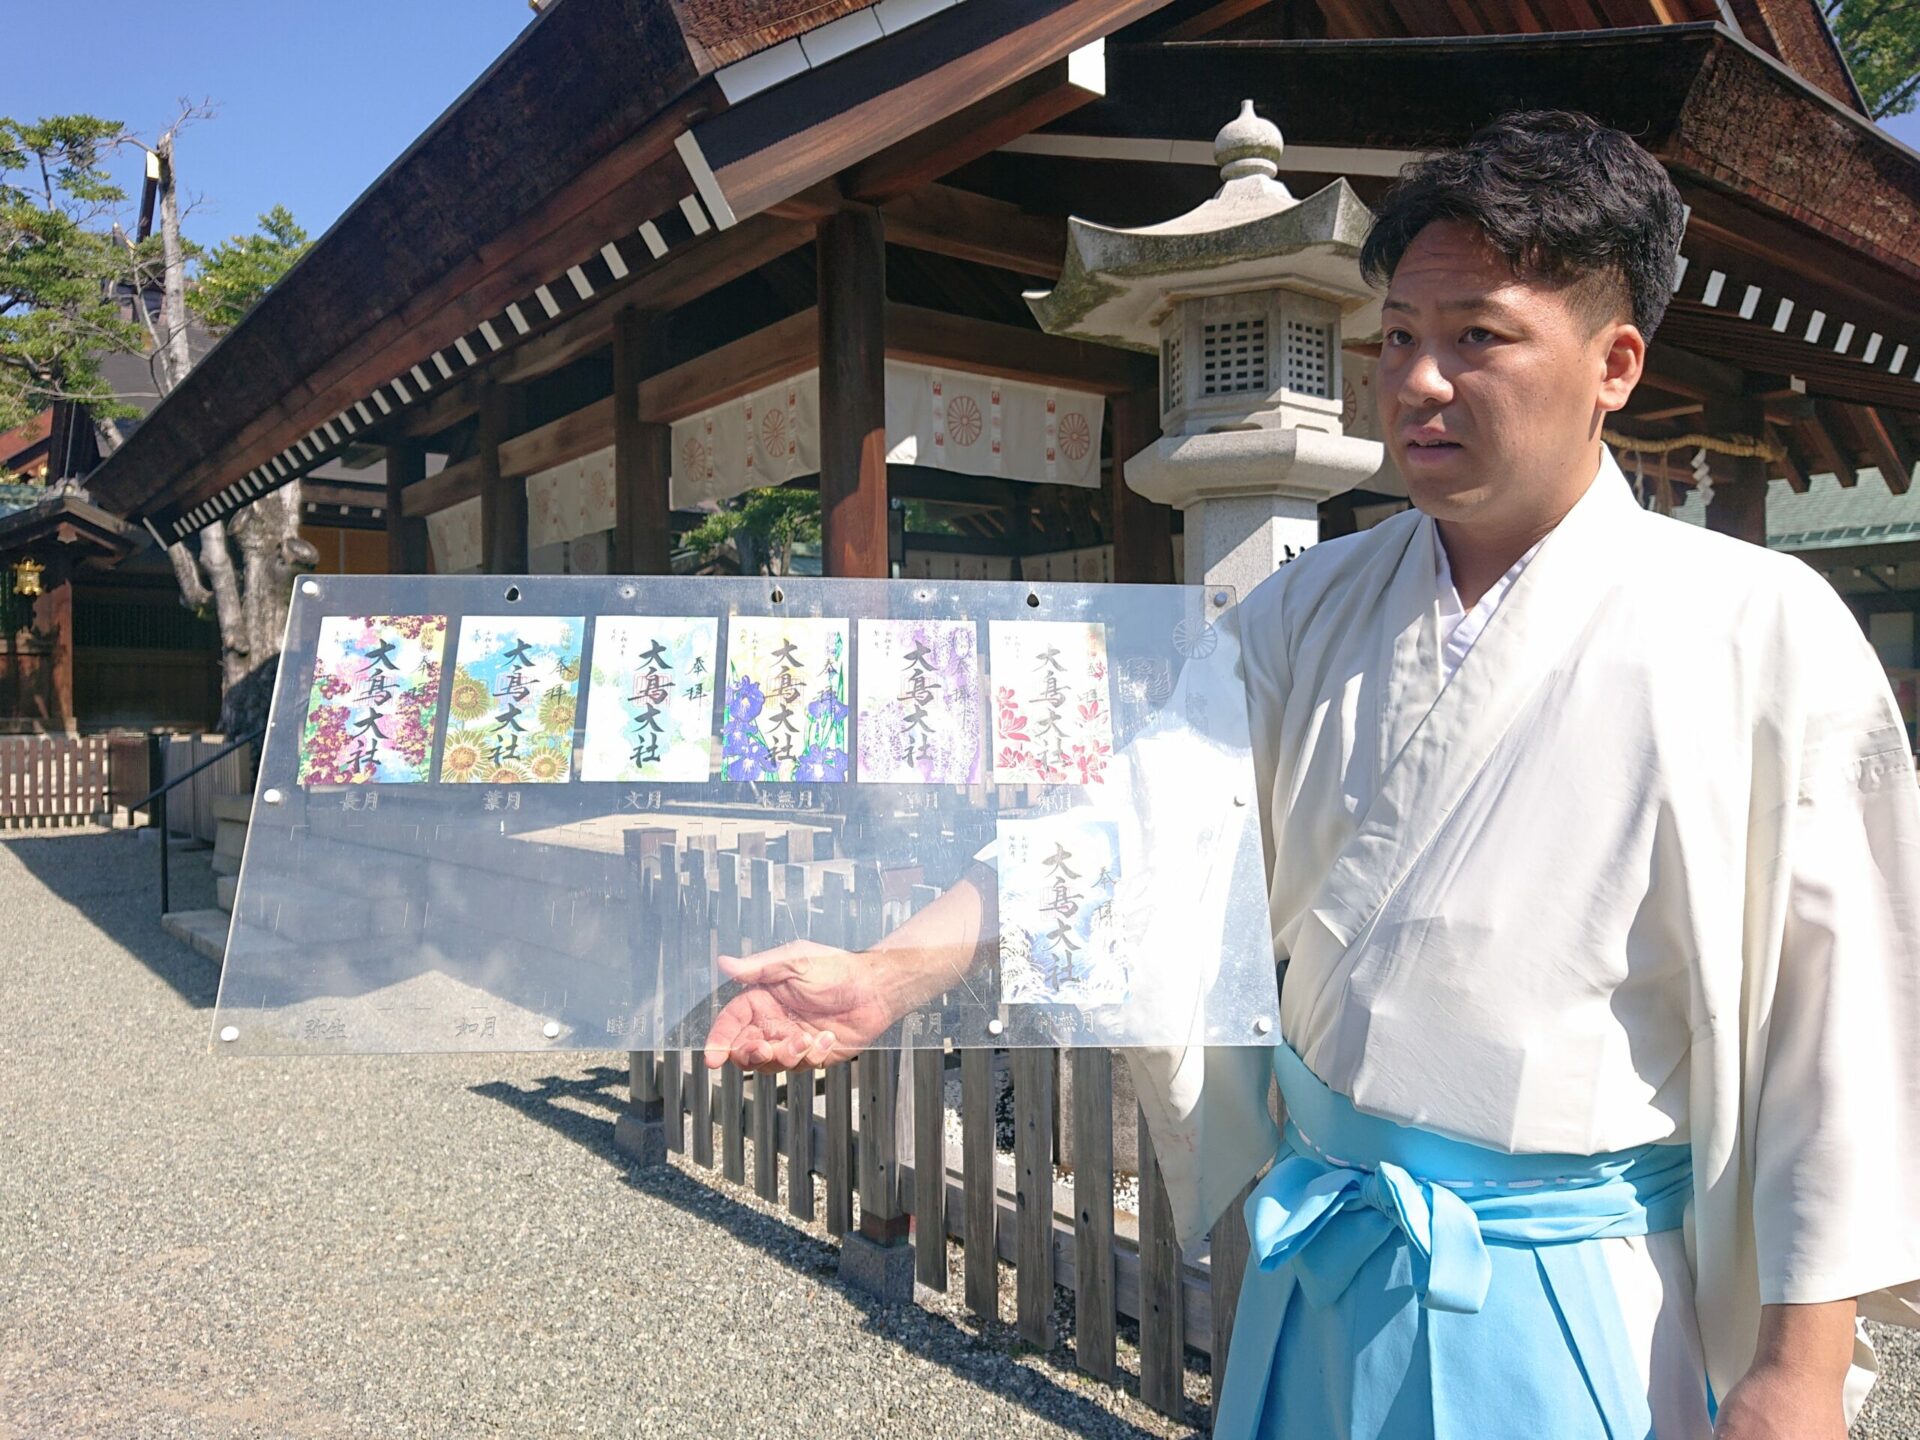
x: 948, y: 419
x: 454, y: 534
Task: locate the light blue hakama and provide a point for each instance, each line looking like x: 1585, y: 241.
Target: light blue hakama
x: 1402, y: 1285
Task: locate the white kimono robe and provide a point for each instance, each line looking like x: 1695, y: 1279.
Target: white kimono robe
x: 1647, y: 868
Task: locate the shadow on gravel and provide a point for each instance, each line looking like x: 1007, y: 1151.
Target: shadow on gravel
x: 930, y: 1336
x: 113, y: 879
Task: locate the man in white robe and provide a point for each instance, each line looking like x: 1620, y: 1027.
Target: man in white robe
x: 1589, y: 833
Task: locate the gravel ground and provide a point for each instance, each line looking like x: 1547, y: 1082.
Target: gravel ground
x: 425, y: 1246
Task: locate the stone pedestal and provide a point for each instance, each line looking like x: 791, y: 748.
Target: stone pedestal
x: 1251, y: 496
x: 641, y: 1140
x: 882, y: 1269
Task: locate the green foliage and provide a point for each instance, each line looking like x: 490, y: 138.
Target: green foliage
x: 234, y: 274
x: 774, y: 521
x: 58, y: 265
x: 1881, y: 40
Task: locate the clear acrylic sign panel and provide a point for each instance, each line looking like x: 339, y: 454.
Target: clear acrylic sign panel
x: 600, y: 814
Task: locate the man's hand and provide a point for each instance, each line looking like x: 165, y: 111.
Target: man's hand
x: 1795, y: 1390
x: 1773, y: 1402
x: 806, y: 1005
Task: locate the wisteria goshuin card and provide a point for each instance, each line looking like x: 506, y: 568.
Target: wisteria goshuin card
x: 919, y: 716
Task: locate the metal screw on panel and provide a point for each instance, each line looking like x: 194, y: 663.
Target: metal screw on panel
x: 1263, y: 1026
x: 994, y: 1027
x: 309, y: 587
x: 1220, y: 597
x: 230, y: 1033
x: 626, y: 592
x: 551, y: 1029
x: 271, y: 797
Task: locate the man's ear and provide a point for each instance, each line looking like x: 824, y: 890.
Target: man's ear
x: 1622, y: 360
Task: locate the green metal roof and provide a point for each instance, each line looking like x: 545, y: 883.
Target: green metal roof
x: 1827, y: 516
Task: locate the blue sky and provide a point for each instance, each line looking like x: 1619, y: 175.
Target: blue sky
x: 315, y: 99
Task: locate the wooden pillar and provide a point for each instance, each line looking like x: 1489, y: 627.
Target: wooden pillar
x: 853, y: 393
x: 1142, y: 528
x: 53, y: 618
x: 406, y: 534
x: 642, y: 451
x: 1739, y: 503
x: 503, y: 498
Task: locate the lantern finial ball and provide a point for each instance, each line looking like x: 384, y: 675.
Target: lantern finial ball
x: 1248, y: 145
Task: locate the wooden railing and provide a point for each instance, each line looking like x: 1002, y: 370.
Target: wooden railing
x: 49, y: 781
x: 1118, y: 1264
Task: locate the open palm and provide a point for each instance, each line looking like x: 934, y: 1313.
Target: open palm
x: 805, y: 1004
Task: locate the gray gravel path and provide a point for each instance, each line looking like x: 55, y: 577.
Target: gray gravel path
x: 194, y: 1246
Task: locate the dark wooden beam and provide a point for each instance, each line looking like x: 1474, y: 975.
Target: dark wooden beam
x: 503, y: 497
x: 1888, y: 446
x: 1209, y: 18
x: 853, y: 394
x: 1142, y: 528
x: 1827, y: 450
x: 834, y: 118
x: 1790, y: 463
x: 457, y: 482
x: 966, y: 226
x: 1739, y: 503
x: 642, y: 453
x: 937, y: 338
x: 406, y: 534
x: 1682, y: 372
x: 979, y: 129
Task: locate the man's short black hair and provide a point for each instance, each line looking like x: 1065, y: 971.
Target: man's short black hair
x: 1561, y: 197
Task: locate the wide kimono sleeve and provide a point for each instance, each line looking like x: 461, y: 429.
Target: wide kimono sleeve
x: 1207, y: 1105
x: 1835, y: 1140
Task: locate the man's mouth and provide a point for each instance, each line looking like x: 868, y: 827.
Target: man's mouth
x: 1419, y: 443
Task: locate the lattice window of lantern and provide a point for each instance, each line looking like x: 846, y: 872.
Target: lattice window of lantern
x: 1233, y: 356
x: 1174, y: 375
x: 1306, y: 360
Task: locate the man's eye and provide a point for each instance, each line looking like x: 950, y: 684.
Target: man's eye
x: 1398, y: 337
x: 1477, y: 334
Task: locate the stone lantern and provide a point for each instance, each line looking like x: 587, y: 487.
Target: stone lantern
x: 1245, y: 300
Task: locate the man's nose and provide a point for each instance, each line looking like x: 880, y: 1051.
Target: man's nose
x: 1423, y: 383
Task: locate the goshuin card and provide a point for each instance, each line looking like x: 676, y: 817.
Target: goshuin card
x: 516, y: 692
x: 1053, y: 720
x: 1059, y: 879
x: 786, y: 703
x: 374, y: 699
x: 918, y: 715
x: 650, y: 702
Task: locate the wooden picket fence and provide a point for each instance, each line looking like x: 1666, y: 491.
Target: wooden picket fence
x: 1116, y: 1265
x: 53, y: 781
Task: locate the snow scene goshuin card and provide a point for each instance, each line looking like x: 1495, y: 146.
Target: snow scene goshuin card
x: 1059, y: 876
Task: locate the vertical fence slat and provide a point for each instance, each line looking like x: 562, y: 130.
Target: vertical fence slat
x: 1226, y: 1267
x: 728, y: 930
x: 1162, y: 1325
x: 1093, y: 1293
x: 697, y: 959
x: 789, y: 923
x: 1033, y: 1087
x: 976, y: 1171
x: 831, y: 929
x: 666, y: 892
x: 757, y: 918
x: 929, y: 1149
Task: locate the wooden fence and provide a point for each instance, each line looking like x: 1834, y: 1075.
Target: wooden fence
x: 894, y: 1157
x: 49, y: 781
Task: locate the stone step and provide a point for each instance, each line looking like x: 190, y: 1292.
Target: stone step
x: 225, y: 887
x: 204, y: 930
x: 232, y: 807
x: 226, y: 864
